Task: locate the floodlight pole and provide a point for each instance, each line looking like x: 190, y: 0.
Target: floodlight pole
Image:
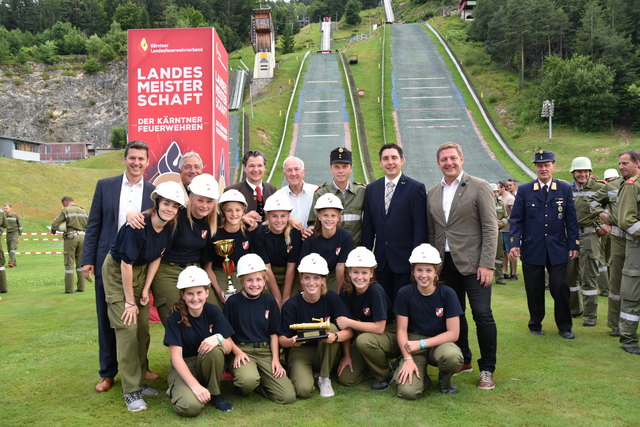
x: 547, y: 111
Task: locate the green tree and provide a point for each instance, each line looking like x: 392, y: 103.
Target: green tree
x: 47, y: 52
x: 73, y: 43
x: 352, y: 12
x: 118, y: 137
x: 92, y: 65
x: 287, y: 41
x: 583, y: 91
x: 117, y: 38
x: 130, y: 15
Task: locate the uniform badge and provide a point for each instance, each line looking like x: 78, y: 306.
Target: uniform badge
x: 559, y: 216
x: 289, y: 247
x: 211, y: 328
x: 554, y: 186
x: 536, y: 186
x: 366, y: 311
x: 245, y: 245
x: 439, y: 311
x: 204, y: 234
x: 266, y: 314
x: 162, y: 253
x: 338, y: 251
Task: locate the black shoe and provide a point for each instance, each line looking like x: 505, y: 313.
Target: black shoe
x: 221, y: 403
x: 65, y: 292
x: 500, y: 282
x: 442, y: 383
x: 614, y: 333
x: 79, y: 290
x: 632, y: 350
x: 589, y: 322
x: 506, y: 276
x: 513, y: 277
x: 238, y: 391
x: 3, y: 292
x: 381, y: 385
x: 567, y: 335
x: 540, y: 332
x: 576, y: 315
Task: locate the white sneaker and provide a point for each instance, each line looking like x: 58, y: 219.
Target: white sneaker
x: 324, y: 383
x: 134, y: 401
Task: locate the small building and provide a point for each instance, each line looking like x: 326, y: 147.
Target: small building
x: 466, y: 9
x: 19, y: 149
x: 62, y: 152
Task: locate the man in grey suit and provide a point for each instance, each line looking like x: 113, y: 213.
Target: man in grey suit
x: 463, y: 226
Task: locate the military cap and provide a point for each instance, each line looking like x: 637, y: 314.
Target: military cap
x: 544, y: 156
x: 340, y: 155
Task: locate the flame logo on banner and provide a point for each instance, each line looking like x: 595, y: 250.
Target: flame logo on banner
x: 222, y: 171
x: 169, y: 160
x: 143, y: 44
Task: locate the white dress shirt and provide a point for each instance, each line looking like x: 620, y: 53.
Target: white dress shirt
x: 130, y: 199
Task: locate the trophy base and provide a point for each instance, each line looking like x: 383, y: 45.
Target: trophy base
x: 311, y: 335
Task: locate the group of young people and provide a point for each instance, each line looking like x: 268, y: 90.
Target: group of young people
x: 282, y: 280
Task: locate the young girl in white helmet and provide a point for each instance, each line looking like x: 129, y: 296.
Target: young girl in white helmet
x: 255, y: 318
x: 127, y: 273
x: 198, y: 337
x: 372, y: 321
x: 428, y: 325
x: 329, y: 239
x: 196, y: 224
x: 278, y: 244
x: 314, y: 302
x: 231, y: 206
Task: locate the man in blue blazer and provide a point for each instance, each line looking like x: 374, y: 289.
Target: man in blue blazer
x: 544, y: 234
x: 113, y: 198
x: 395, y: 220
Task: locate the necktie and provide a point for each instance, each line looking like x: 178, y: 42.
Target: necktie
x: 388, y: 194
x: 545, y: 190
x: 258, y: 194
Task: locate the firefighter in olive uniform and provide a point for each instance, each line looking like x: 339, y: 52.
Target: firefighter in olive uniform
x: 351, y: 194
x: 3, y: 273
x: 629, y: 218
x: 503, y: 220
x: 75, y: 219
x: 583, y: 272
x: 14, y: 230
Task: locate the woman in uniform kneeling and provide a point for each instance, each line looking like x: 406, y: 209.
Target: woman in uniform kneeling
x: 428, y: 325
x: 197, y: 334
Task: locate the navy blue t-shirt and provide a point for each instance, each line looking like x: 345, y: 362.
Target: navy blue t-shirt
x: 333, y: 250
x: 371, y: 306
x: 243, y: 245
x: 297, y: 310
x: 274, y: 250
x: 210, y: 322
x: 140, y: 247
x: 190, y: 240
x: 253, y: 320
x: 427, y: 314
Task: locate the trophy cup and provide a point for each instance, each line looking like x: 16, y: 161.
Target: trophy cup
x: 312, y: 331
x: 224, y: 248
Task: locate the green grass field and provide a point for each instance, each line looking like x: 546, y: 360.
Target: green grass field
x: 48, y: 348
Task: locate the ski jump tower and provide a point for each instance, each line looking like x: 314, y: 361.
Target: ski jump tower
x: 326, y: 29
x: 264, y: 43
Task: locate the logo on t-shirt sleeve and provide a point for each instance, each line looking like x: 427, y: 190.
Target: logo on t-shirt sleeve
x: 366, y: 311
x: 266, y: 314
x: 439, y: 311
x: 204, y: 234
x: 211, y: 328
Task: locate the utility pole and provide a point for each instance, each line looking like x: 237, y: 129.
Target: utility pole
x: 547, y: 111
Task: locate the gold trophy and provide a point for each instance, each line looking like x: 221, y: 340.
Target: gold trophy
x: 224, y: 248
x: 312, y: 331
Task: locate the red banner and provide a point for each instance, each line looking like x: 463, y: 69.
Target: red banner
x: 178, y: 98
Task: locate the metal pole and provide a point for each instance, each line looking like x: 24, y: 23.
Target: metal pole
x: 550, y: 128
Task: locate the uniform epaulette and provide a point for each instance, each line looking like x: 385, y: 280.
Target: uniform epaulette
x: 631, y: 180
x: 322, y: 186
x: 361, y: 184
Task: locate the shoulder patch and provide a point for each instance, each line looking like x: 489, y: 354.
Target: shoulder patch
x: 631, y: 180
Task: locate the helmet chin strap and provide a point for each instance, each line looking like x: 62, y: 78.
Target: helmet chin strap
x: 158, y: 210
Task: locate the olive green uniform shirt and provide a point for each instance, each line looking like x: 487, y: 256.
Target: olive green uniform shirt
x: 353, y: 202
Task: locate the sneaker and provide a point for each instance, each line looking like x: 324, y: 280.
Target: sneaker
x: 381, y: 385
x: 134, y: 401
x: 513, y: 277
x: 589, y: 322
x: 324, y: 383
x: 486, y: 381
x: 221, y: 403
x: 446, y: 384
x: 145, y: 390
x: 466, y: 367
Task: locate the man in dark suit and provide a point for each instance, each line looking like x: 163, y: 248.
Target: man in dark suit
x: 113, y: 198
x: 544, y: 234
x: 463, y: 226
x: 254, y: 190
x: 394, y: 220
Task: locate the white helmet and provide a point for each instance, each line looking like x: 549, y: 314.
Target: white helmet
x: 611, y: 173
x: 328, y: 200
x: 205, y: 185
x: 279, y: 201
x: 170, y: 190
x: 494, y: 186
x: 314, y: 264
x: 361, y: 257
x: 191, y: 277
x: 250, y: 263
x: 425, y: 254
x: 581, y: 163
x: 232, y: 195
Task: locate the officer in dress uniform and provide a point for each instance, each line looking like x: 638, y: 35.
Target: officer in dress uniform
x: 351, y: 194
x: 75, y: 218
x: 583, y: 272
x: 544, y: 233
x: 605, y: 204
x: 629, y: 217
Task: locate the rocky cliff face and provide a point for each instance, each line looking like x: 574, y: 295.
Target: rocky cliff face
x: 62, y: 104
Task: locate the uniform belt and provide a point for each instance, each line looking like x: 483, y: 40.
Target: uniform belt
x: 179, y: 264
x: 618, y: 232
x: 71, y: 234
x: 262, y: 344
x: 587, y: 230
